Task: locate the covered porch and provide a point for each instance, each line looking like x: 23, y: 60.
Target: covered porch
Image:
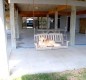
x: 27, y: 60
x: 18, y: 55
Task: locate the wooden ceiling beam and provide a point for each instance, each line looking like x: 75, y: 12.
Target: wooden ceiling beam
x: 31, y: 12
x: 59, y: 8
x: 81, y: 12
x: 69, y: 13
x: 64, y: 13
x: 35, y: 13
x: 44, y: 13
x: 31, y: 15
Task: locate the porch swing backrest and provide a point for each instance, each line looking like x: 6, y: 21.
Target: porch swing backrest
x: 57, y: 37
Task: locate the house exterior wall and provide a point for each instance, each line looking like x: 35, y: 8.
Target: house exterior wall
x: 63, y: 22
x: 77, y: 24
x: 78, y: 21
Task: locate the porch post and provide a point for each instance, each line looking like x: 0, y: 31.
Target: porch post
x: 17, y: 24
x: 38, y: 22
x: 20, y: 23
x: 72, y: 25
x: 12, y: 23
x: 4, y: 71
x: 56, y: 20
x: 48, y: 22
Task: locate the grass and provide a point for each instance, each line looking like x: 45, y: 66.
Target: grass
x: 66, y: 75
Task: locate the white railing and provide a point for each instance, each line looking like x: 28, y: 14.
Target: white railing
x: 57, y: 37
x: 49, y: 31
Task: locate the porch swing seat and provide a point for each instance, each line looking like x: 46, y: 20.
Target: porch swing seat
x: 45, y: 41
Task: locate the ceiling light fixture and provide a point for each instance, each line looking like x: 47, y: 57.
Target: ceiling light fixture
x: 36, y: 7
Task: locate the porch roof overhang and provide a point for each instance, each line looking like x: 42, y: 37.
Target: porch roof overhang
x: 55, y: 2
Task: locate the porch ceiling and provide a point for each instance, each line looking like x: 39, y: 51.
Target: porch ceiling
x: 37, y: 7
x: 44, y: 9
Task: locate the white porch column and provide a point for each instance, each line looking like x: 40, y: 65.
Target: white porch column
x: 48, y: 21
x: 4, y: 72
x: 20, y: 22
x: 12, y: 23
x: 72, y: 25
x: 17, y: 24
x: 56, y: 20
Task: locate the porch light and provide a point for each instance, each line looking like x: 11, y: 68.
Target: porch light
x: 36, y: 8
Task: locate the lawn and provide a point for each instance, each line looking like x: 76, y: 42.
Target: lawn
x: 79, y: 74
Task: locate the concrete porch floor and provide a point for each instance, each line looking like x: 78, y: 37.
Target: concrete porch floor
x: 29, y: 61
x: 26, y: 60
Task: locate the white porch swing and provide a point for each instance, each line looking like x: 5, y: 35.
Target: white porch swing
x: 48, y: 40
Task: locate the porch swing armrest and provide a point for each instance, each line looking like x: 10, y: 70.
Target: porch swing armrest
x: 36, y: 45
x: 67, y: 43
